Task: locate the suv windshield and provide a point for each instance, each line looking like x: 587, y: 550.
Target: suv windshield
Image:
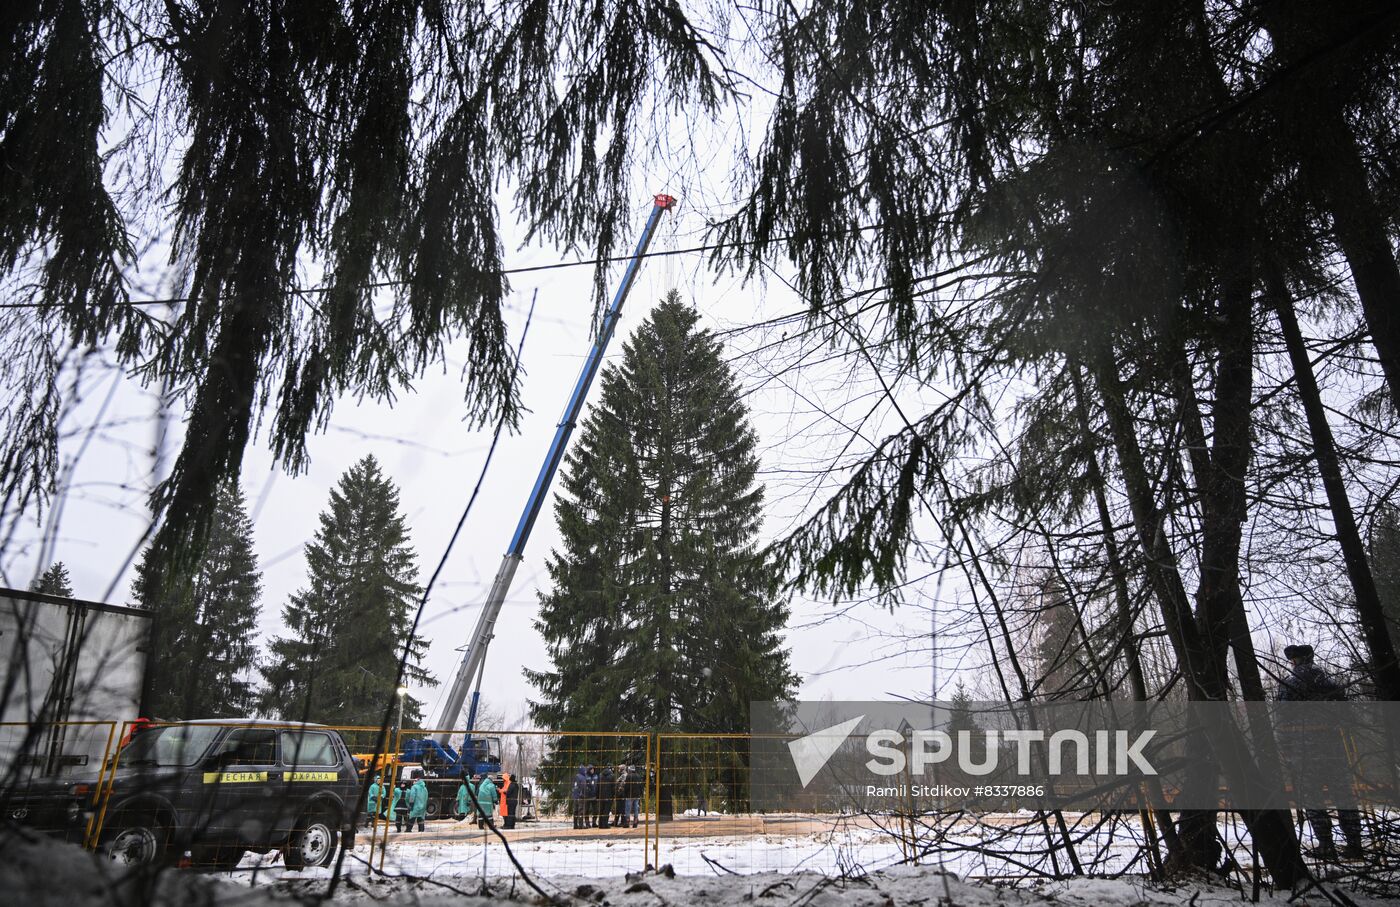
x: 181, y: 744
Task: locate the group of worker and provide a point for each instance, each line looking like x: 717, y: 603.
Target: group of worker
x: 478, y: 797
x: 607, y: 796
x: 406, y: 804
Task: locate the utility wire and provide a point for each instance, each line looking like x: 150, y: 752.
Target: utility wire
x: 380, y: 284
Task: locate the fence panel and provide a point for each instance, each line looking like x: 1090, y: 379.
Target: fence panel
x: 50, y: 774
x: 708, y: 822
x: 711, y: 818
x: 580, y: 807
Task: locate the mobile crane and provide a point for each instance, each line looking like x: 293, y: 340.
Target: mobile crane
x: 477, y: 755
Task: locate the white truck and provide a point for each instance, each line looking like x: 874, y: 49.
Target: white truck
x: 71, y: 672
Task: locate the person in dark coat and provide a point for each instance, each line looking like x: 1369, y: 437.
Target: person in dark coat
x: 607, y: 790
x: 591, y: 798
x: 632, y: 796
x: 578, y: 793
x: 1315, y: 754
x: 400, y: 806
x: 619, y: 801
x: 510, y: 799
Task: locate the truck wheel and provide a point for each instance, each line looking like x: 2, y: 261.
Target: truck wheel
x: 136, y: 839
x: 312, y: 843
x: 433, y: 809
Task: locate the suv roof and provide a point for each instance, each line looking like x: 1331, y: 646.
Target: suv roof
x: 243, y: 722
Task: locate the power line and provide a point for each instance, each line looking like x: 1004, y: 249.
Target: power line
x: 175, y: 300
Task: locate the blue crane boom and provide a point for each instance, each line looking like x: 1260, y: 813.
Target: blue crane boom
x: 474, y: 659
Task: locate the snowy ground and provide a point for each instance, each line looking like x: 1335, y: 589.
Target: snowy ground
x: 783, y: 844
x: 43, y: 873
x: 738, y: 868
x: 827, y: 867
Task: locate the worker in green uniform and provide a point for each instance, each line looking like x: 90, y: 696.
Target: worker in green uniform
x: 399, y: 807
x: 418, y: 802
x: 464, y: 799
x: 372, y: 803
x: 486, y: 798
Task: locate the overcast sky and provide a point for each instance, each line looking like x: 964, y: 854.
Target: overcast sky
x: 435, y: 459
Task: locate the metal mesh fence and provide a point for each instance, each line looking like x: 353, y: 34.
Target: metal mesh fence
x: 708, y: 820
x: 712, y: 819
x: 51, y: 775
x: 565, y: 804
x: 268, y: 797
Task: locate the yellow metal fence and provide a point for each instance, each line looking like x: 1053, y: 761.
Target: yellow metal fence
x: 696, y: 806
x: 38, y: 758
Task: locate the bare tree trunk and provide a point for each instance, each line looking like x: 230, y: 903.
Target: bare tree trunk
x: 1219, y: 473
x: 1162, y: 571
x: 1384, y: 666
x: 1122, y: 599
x: 1271, y: 831
x: 1362, y: 236
x: 1219, y: 478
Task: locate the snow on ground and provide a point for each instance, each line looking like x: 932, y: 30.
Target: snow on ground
x: 908, y: 887
x: 43, y: 873
x: 833, y: 848
x: 780, y: 869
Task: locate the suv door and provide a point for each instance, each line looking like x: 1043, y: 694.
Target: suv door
x: 246, y: 780
x: 313, y: 765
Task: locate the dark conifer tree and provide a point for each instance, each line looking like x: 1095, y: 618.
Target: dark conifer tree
x: 338, y: 662
x: 662, y: 613
x: 1384, y: 551
x: 55, y: 581
x: 1055, y: 643
x: 203, y: 657
x: 960, y: 714
x: 366, y: 136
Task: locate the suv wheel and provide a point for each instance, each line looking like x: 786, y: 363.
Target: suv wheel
x: 137, y: 840
x: 312, y: 843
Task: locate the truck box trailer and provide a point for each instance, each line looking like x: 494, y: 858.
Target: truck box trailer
x: 71, y: 672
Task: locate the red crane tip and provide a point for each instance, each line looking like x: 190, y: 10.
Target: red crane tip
x: 665, y: 202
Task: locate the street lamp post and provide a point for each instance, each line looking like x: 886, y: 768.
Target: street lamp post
x: 401, y: 692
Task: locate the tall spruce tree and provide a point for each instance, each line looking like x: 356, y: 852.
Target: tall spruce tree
x: 203, y: 656
x: 662, y: 613
x: 55, y: 581
x: 1055, y: 643
x: 338, y: 663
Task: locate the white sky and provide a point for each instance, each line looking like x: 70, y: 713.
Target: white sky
x: 853, y: 651
x: 434, y: 458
